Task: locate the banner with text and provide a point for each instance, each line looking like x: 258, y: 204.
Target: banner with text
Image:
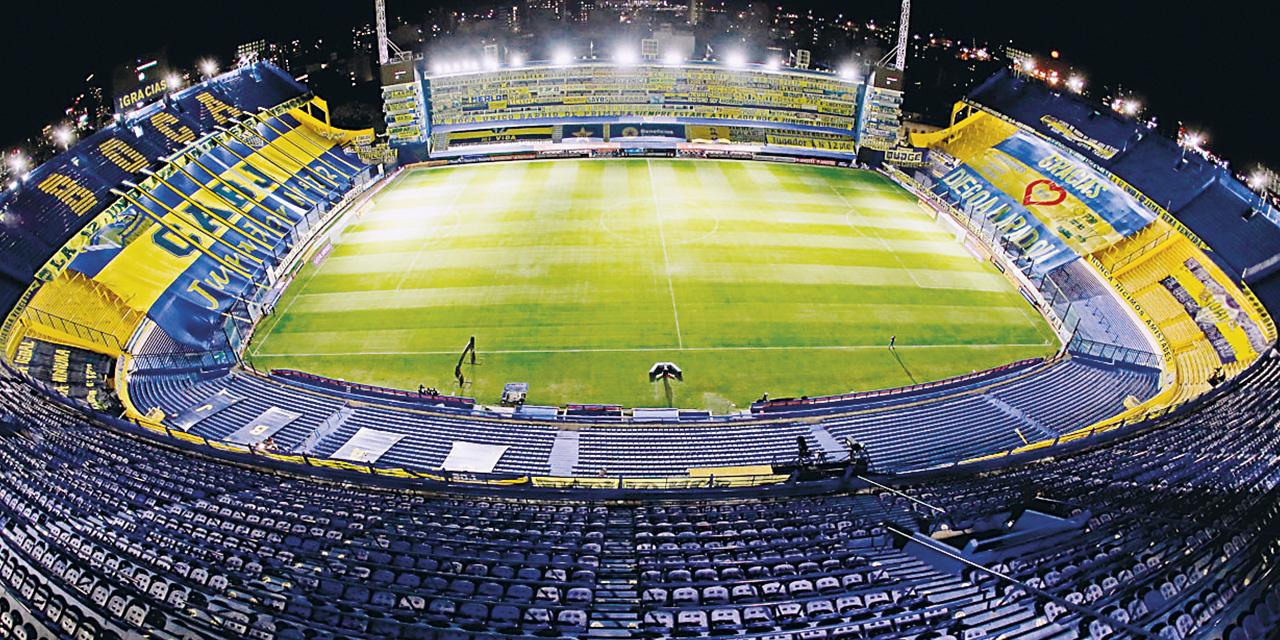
x: 989, y: 207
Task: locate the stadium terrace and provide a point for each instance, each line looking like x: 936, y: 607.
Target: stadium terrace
x: 507, y: 373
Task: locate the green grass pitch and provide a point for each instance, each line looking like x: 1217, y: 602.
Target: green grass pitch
x: 577, y: 276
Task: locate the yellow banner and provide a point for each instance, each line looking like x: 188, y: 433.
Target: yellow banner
x: 1070, y: 219
x: 328, y: 132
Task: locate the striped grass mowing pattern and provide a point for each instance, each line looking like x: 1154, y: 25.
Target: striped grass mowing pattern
x: 576, y: 276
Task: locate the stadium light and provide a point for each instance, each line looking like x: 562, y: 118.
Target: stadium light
x: 490, y: 63
x: 562, y: 57
x: 64, y: 136
x: 515, y: 60
x: 209, y: 67
x: 1127, y: 107
x: 17, y: 162
x: 625, y: 55
x: 1194, y: 140
x: 673, y: 57
x: 473, y: 65
x: 773, y: 63
x: 174, y: 81
x: 736, y: 60
x: 848, y: 72
x: 1075, y: 84
x: 1257, y: 181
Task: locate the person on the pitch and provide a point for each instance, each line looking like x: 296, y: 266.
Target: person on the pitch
x: 892, y: 339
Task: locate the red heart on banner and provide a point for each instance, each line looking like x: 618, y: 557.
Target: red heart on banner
x: 1057, y: 194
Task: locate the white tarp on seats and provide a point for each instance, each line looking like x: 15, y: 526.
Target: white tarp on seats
x: 367, y: 445
x: 469, y: 456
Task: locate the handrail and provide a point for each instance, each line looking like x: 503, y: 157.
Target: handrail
x: 880, y: 393
x: 1141, y: 251
x: 71, y: 327
x: 1114, y: 352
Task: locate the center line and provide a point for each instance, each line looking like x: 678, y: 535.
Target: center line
x: 653, y: 188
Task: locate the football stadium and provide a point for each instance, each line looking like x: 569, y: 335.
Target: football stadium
x: 623, y: 349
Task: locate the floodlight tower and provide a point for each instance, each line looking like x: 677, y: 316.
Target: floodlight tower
x: 900, y: 63
x: 384, y: 56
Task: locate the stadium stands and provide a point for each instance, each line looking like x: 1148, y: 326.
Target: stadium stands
x: 911, y: 431
x: 1102, y: 317
x: 1159, y: 267
x: 1197, y: 192
x: 132, y: 535
x: 610, y: 91
x: 53, y: 199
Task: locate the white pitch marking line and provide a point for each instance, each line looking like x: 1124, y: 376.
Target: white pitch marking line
x: 257, y: 349
x: 860, y: 347
x: 657, y: 209
x: 431, y: 237
x: 884, y: 244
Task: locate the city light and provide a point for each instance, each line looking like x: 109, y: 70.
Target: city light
x: 736, y: 59
x: 673, y: 57
x: 209, y: 67
x: 1075, y: 84
x: 562, y: 57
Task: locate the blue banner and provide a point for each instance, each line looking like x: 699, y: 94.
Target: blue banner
x: 1024, y: 233
x: 91, y: 260
x: 1120, y: 210
x: 583, y: 132
x: 640, y: 130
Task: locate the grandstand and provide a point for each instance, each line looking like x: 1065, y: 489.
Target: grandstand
x: 645, y: 105
x: 1122, y: 488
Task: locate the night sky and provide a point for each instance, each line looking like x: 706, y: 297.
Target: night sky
x: 1212, y: 65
